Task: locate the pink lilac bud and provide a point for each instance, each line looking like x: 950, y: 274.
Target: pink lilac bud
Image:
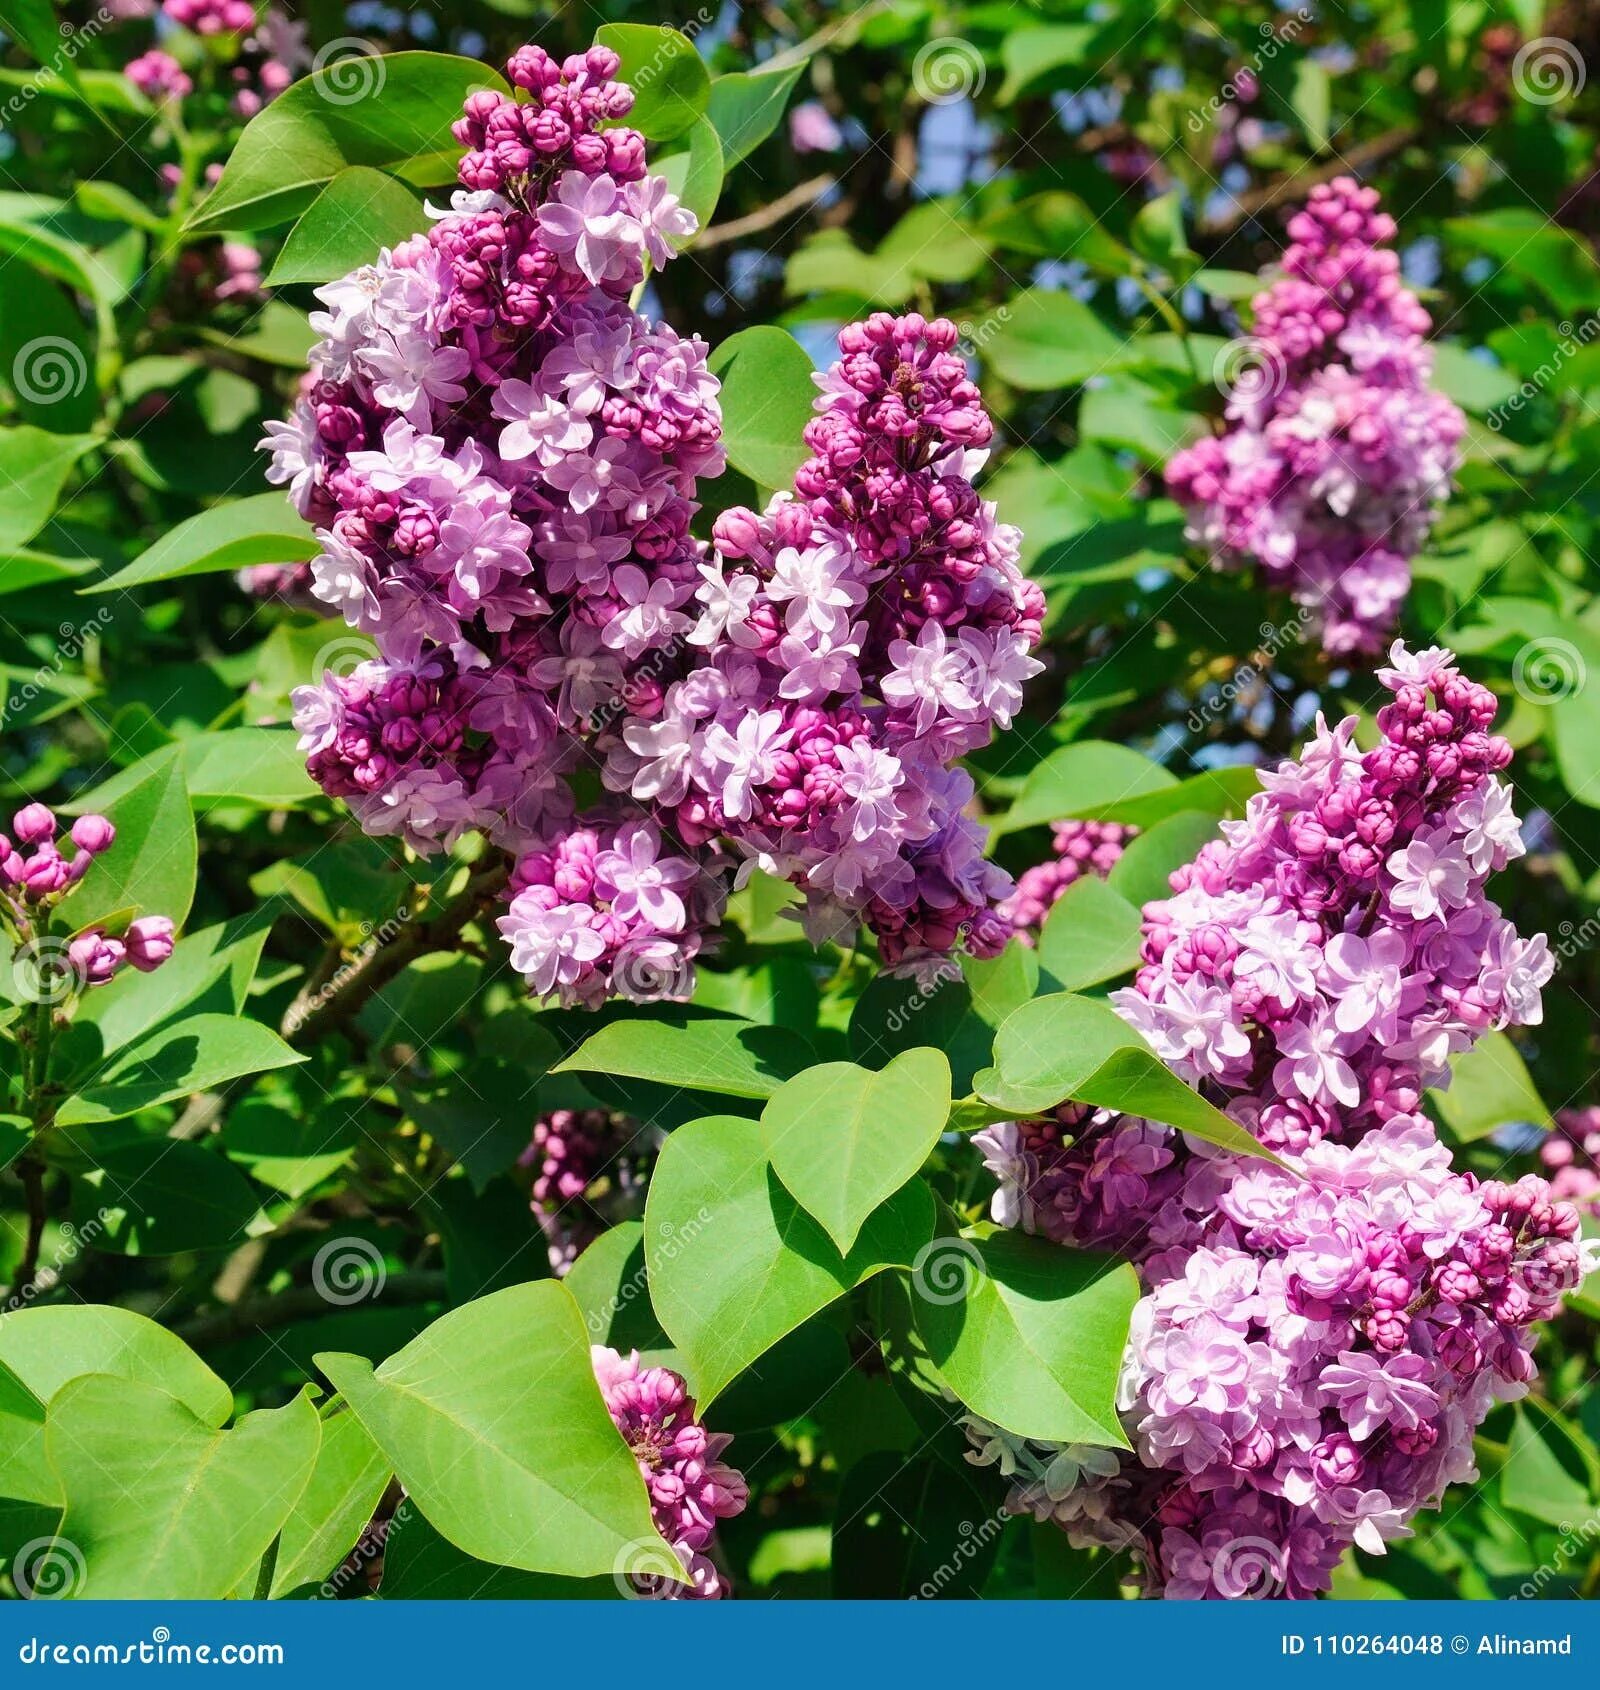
x: 93, y: 834
x: 590, y: 1173
x: 33, y: 824
x: 94, y: 957
x: 149, y: 941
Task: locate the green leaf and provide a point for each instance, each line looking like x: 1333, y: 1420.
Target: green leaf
x: 390, y: 113
x: 174, y: 1061
x: 670, y: 82
x: 162, y: 1197
x: 843, y: 1139
x: 1067, y: 1047
x: 42, y: 1348
x: 1141, y: 872
x: 693, y: 169
x: 343, y: 228
x: 160, y: 1504
x: 611, y: 1285
x: 1035, y: 54
x: 1311, y: 99
x: 247, y: 765
x: 1535, y: 251
x: 732, y: 1058
x: 1043, y: 339
x: 47, y: 354
x: 767, y: 390
x: 735, y: 1263
x: 745, y: 107
x: 1088, y: 780
x: 419, y: 1565
x: 1548, y: 1472
x: 346, y: 1485
x: 34, y: 23
x: 1097, y: 781
x: 260, y: 529
x: 1035, y: 1340
x: 150, y: 868
x: 1490, y: 1087
x: 495, y: 1426
x: 34, y: 466
x: 1056, y: 224
x: 1091, y: 934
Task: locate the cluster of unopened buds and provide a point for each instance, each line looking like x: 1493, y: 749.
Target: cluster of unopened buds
x: 1318, y: 1343
x: 691, y: 1487
x: 501, y: 458
x: 263, y: 55
x: 1339, y: 452
x: 1081, y: 848
x: 590, y: 1172
x: 38, y: 871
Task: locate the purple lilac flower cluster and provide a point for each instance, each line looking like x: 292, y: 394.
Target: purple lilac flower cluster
x: 590, y: 1172
x: 1080, y: 848
x: 1339, y: 450
x: 691, y: 1487
x: 1308, y: 1373
x: 852, y: 640
x: 1313, y: 972
x: 36, y: 873
x: 501, y: 459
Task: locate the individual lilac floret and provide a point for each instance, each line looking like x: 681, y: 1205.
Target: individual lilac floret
x: 1081, y: 848
x: 590, y: 1173
x: 1318, y: 1363
x: 1339, y: 452
x: 691, y: 1487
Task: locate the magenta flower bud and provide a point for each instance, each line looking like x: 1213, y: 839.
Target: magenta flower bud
x: 149, y: 941
x: 93, y: 834
x: 33, y: 823
x: 95, y: 957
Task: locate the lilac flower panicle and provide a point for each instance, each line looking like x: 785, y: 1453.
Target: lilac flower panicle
x: 501, y: 459
x: 1338, y: 452
x: 691, y: 1488
x: 1315, y: 1347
